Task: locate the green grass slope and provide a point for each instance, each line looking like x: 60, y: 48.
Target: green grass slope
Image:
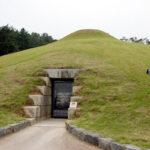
x: 116, y: 89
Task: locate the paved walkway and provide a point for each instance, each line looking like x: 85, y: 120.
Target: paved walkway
x: 46, y: 135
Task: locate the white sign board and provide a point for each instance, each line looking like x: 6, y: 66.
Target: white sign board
x: 73, y: 104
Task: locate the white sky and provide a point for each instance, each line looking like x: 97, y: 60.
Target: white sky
x: 61, y: 17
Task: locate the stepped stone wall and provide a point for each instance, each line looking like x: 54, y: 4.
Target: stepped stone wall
x: 42, y: 102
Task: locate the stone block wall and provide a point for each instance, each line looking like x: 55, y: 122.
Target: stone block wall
x: 42, y: 103
x: 72, y: 110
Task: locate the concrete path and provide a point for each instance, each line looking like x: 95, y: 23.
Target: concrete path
x: 46, y: 135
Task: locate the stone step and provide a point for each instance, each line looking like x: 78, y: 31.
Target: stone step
x: 47, y: 81
x: 45, y: 90
x: 37, y: 111
x: 40, y: 100
x: 32, y: 111
x: 75, y: 98
x: 75, y: 89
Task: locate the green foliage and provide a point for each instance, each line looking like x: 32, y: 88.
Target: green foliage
x: 12, y: 40
x: 23, y: 39
x: 136, y: 40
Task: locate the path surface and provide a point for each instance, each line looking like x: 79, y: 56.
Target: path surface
x: 46, y: 135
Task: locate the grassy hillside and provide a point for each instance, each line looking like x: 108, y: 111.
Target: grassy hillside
x: 116, y: 89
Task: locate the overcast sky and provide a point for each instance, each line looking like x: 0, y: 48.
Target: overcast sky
x: 61, y: 17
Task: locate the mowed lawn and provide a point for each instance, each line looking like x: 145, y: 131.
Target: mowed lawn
x: 115, y: 86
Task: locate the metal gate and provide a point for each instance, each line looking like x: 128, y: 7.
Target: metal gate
x: 61, y: 93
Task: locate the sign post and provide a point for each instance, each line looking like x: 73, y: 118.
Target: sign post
x: 73, y: 105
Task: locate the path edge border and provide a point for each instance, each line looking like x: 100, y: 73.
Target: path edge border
x: 12, y: 128
x: 97, y: 139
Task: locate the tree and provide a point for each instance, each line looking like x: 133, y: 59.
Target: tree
x: 136, y: 40
x: 23, y: 39
x: 12, y: 40
x: 8, y: 42
x: 46, y: 38
x: 35, y: 39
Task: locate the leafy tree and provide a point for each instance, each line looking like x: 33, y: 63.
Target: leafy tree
x: 8, y: 42
x: 35, y: 39
x: 136, y: 40
x: 23, y: 39
x: 46, y: 38
x: 12, y: 40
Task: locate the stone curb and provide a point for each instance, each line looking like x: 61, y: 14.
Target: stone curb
x: 97, y: 139
x: 12, y: 128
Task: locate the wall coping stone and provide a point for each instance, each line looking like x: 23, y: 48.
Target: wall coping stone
x: 116, y: 146
x: 104, y: 143
x: 131, y: 147
x: 92, y: 138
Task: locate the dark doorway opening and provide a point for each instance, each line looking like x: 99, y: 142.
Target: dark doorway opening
x: 61, y: 94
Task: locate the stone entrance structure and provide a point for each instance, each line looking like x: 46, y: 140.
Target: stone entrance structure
x: 56, y: 95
